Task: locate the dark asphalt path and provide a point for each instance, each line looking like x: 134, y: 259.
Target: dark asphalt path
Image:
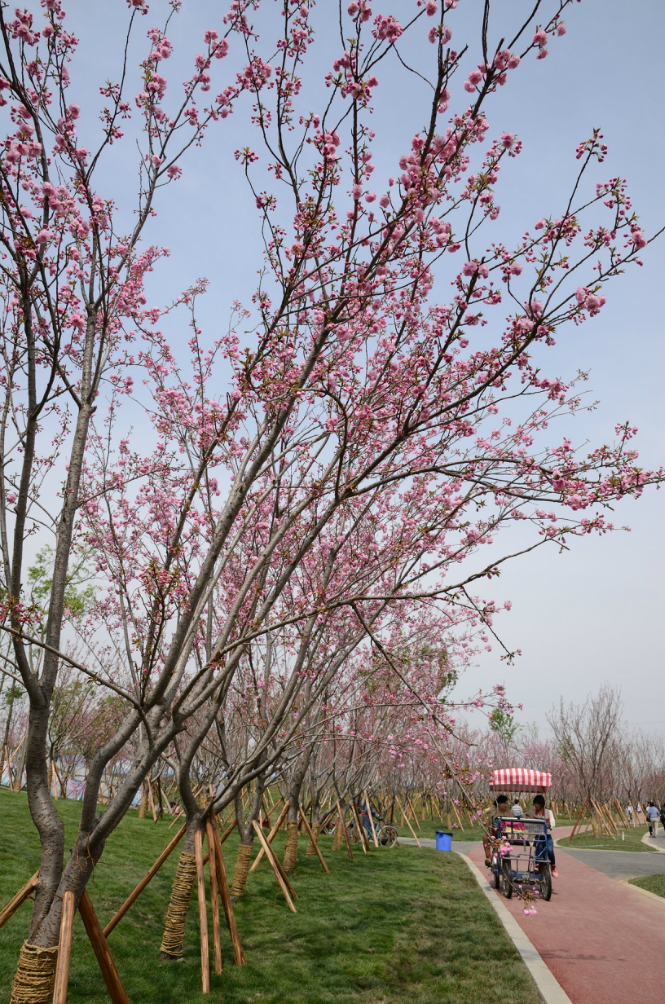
x: 620, y: 864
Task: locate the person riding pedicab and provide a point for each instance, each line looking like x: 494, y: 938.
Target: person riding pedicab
x: 501, y: 806
x: 540, y: 812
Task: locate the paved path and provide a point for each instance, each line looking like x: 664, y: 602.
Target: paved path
x: 603, y: 940
x: 619, y: 864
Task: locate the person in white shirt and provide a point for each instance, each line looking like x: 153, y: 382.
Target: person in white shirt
x: 517, y: 810
x: 539, y: 810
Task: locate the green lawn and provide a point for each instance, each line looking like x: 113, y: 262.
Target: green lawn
x: 652, y: 883
x: 393, y: 926
x: 631, y: 842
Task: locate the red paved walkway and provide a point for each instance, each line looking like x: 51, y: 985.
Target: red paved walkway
x: 603, y: 940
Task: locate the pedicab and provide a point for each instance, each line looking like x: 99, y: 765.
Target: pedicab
x: 520, y: 861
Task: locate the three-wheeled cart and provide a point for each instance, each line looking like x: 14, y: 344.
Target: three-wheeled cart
x: 522, y: 860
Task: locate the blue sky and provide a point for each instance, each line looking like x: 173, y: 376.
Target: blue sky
x: 592, y: 615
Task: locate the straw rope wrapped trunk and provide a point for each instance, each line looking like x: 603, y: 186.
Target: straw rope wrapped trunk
x: 181, y: 894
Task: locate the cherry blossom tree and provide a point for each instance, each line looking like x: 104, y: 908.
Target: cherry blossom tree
x: 356, y: 451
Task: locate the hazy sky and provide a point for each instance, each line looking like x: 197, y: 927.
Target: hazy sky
x: 594, y: 614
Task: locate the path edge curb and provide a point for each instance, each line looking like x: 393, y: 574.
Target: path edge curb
x: 645, y: 892
x: 548, y: 987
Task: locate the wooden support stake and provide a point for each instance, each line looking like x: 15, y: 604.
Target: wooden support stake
x: 228, y: 829
x: 371, y: 818
x: 177, y: 813
x: 102, y: 951
x: 342, y: 823
x: 310, y: 832
x: 223, y: 885
x: 64, y: 949
x: 415, y: 814
x: 212, y: 867
x: 203, y: 912
x: 19, y: 898
x: 144, y: 881
x: 578, y: 818
x: 271, y: 836
x: 273, y: 863
x: 407, y: 821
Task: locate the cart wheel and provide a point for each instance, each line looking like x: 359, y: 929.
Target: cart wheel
x: 387, y: 836
x: 507, y: 878
x: 545, y: 881
x: 496, y: 877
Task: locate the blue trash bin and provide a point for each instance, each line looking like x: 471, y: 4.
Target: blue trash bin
x: 444, y: 841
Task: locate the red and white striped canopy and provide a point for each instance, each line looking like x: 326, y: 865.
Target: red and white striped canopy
x: 520, y: 779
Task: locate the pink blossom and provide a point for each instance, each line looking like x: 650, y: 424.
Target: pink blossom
x: 561, y: 29
x: 431, y: 8
x: 540, y: 38
x: 539, y: 225
x: 507, y: 138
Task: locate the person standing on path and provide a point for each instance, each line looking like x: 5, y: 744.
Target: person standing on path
x: 517, y: 811
x: 652, y: 819
x: 629, y: 812
x: 539, y: 811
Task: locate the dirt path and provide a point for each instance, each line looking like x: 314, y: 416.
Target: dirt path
x: 603, y: 940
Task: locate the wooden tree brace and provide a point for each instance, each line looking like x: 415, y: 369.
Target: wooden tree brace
x: 102, y: 951
x: 19, y: 898
x: 203, y: 912
x: 144, y: 881
x: 371, y: 818
x: 271, y: 836
x: 224, y: 892
x: 278, y: 873
x: 212, y: 866
x: 314, y: 840
x: 64, y: 948
x: 407, y: 820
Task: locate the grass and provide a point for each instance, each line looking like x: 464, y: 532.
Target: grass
x: 631, y: 842
x: 390, y: 927
x: 652, y: 883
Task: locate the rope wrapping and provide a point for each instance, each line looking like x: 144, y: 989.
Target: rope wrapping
x: 35, y: 976
x: 337, y: 839
x: 291, y: 849
x: 242, y: 870
x: 310, y: 846
x: 176, y: 915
